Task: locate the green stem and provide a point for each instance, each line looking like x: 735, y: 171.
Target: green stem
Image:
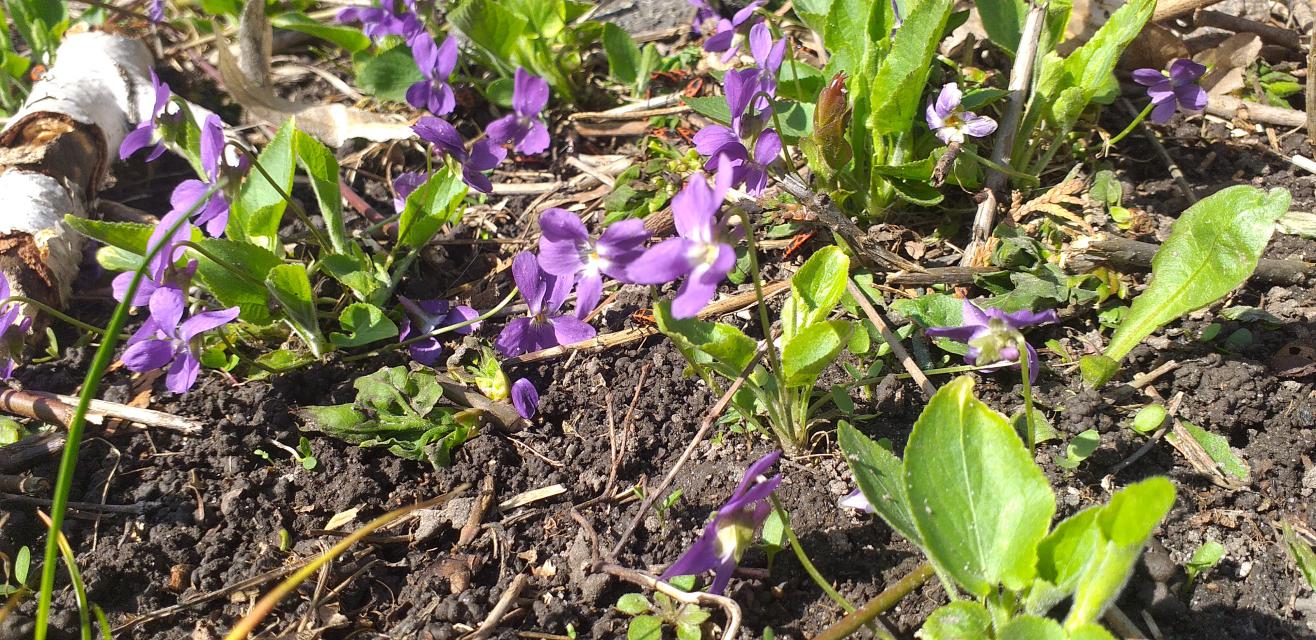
x: 797, y: 439
x: 1025, y: 370
x: 1026, y: 179
x: 241, y: 275
x: 804, y: 559
x: 1136, y: 121
x: 90, y: 384
x: 437, y: 332
x: 45, y: 308
x: 884, y: 602
x: 297, y: 209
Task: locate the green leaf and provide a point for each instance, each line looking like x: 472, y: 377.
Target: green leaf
x: 1004, y: 21
x: 633, y: 604
x: 931, y: 310
x: 356, y: 273
x: 231, y: 289
x: 363, y: 324
x: 430, y: 206
x: 291, y: 288
x: 800, y: 81
x: 22, y: 563
x: 728, y: 346
x: 689, y: 630
x: 387, y: 74
x: 1217, y: 447
x: 645, y: 628
x: 1149, y: 418
x: 1212, y: 248
x: 398, y: 409
x: 1088, y: 71
x: 1302, y: 555
x: 349, y: 38
x: 813, y: 13
x: 897, y: 88
x: 1029, y: 627
x: 979, y: 502
x: 1090, y: 632
x: 1097, y: 369
x: 815, y: 290
x: 321, y: 166
x: 1061, y: 558
x: 1204, y: 558
x: 1079, y: 449
x: 1124, y: 524
x: 490, y: 25
x: 129, y: 236
x: 880, y: 476
x: 258, y: 210
x: 623, y: 54
x: 804, y: 356
x: 959, y: 620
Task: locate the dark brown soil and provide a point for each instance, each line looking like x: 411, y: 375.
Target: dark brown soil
x: 215, y: 513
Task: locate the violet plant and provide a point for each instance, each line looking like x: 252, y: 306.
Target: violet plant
x: 1168, y: 92
x: 969, y: 495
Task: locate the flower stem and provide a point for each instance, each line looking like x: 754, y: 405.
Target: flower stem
x: 804, y: 558
x: 1025, y: 370
x: 796, y: 439
x: 90, y: 384
x: 437, y: 332
x: 52, y: 312
x: 1129, y: 129
x: 877, y: 606
x: 1026, y: 179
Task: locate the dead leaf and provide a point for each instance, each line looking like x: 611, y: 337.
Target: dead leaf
x: 341, y: 518
x: 1296, y: 359
x: 1227, y: 61
x: 1053, y: 203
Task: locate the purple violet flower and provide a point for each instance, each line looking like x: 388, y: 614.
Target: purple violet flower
x: 768, y: 56
x: 701, y: 252
x: 436, y: 62
x: 1178, y: 91
x: 524, y: 127
x: 544, y: 325
x: 717, y: 141
x: 403, y: 185
x: 566, y: 251
x: 703, y: 13
x: 729, y: 534
x: 727, y: 30
x: 218, y: 158
x: 13, y: 324
x: 156, y: 12
x: 162, y: 272
x: 483, y: 156
x: 993, y: 335
x: 145, y: 135
x: 165, y: 342
x: 525, y: 397
x: 379, y: 21
x: 430, y: 315
x: 947, y: 118
x: 856, y: 500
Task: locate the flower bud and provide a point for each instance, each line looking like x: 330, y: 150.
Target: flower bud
x: 831, y: 119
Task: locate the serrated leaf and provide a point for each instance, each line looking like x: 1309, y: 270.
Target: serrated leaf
x: 959, y: 620
x: 363, y: 324
x: 388, y: 74
x: 805, y: 356
x: 897, y: 87
x: 129, y: 236
x: 256, y: 214
x: 321, y: 167
x: 728, y: 346
x: 633, y: 604
x: 231, y: 289
x: 645, y: 628
x: 289, y: 285
x: 489, y: 25
x: 980, y: 504
x: 1124, y: 523
x: 433, y: 204
x: 1030, y: 627
x: 623, y: 54
x: 815, y: 290
x: 880, y: 476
